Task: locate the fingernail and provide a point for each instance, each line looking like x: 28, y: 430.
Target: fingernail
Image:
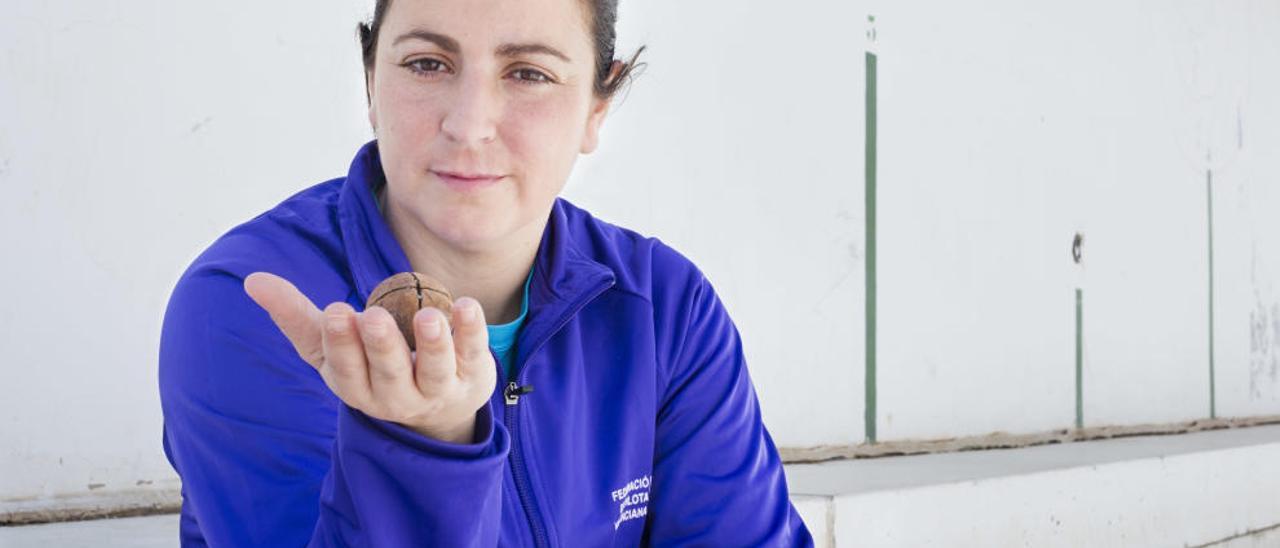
x: 468, y: 311
x: 375, y: 328
x: 432, y: 328
x: 338, y: 325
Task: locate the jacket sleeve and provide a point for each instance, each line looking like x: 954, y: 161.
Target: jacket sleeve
x: 268, y: 456
x: 718, y: 479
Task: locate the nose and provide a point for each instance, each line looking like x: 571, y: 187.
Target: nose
x: 471, y: 117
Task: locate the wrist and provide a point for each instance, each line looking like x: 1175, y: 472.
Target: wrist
x: 463, y: 433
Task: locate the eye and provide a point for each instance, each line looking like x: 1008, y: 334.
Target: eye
x: 531, y: 76
x: 426, y: 66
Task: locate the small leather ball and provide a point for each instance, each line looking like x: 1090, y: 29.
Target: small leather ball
x: 404, y: 294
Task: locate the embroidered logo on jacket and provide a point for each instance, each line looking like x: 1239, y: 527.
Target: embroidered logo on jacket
x: 632, y: 500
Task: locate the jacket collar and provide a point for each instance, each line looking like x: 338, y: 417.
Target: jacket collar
x: 564, y: 278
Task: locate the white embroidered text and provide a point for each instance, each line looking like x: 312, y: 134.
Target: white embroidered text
x: 632, y: 500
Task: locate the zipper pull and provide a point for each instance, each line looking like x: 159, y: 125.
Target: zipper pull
x: 513, y: 392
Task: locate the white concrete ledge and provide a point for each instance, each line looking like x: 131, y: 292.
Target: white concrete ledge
x: 139, y: 532
x: 1220, y: 486
x: 1182, y: 490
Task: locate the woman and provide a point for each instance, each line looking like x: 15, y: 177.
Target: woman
x: 290, y: 425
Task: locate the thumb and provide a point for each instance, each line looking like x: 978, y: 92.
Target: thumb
x: 292, y: 312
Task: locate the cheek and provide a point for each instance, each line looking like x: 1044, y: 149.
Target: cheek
x: 546, y: 129
x: 408, y: 119
x: 406, y: 112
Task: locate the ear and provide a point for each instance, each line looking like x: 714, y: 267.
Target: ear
x: 368, y: 94
x: 599, y: 108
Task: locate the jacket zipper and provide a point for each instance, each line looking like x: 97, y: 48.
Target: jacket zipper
x: 518, y: 469
x: 511, y: 395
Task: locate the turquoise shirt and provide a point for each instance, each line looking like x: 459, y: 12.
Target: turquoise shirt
x: 503, y: 337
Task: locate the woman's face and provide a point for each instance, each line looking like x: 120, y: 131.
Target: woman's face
x: 480, y: 108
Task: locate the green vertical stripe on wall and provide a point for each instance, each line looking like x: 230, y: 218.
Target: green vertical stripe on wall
x: 1079, y: 358
x: 870, y: 414
x: 1213, y: 408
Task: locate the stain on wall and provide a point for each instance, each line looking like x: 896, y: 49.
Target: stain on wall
x: 1264, y: 348
x: 1264, y: 337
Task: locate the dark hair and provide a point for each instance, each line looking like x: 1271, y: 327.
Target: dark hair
x: 604, y: 19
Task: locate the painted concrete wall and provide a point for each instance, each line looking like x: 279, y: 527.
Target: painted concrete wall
x: 132, y: 134
x: 1003, y: 132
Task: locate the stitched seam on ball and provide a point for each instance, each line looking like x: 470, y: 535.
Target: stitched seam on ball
x: 436, y: 291
x: 390, y: 291
x: 417, y: 282
x: 419, y: 289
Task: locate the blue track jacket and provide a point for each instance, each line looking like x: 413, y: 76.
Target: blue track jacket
x: 642, y: 427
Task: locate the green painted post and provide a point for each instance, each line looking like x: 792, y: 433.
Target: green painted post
x: 1079, y: 358
x: 1213, y: 407
x: 870, y: 415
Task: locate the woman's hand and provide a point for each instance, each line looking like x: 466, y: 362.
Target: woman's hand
x: 366, y: 362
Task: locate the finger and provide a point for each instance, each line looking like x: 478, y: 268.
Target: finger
x: 390, y: 371
x: 471, y: 340
x: 291, y: 311
x: 434, y: 364
x: 344, y: 368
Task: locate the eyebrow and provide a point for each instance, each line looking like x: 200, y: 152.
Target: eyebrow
x: 506, y: 50
x: 512, y: 50
x: 448, y: 44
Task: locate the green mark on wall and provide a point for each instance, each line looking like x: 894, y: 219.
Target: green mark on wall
x: 1079, y: 358
x: 870, y: 415
x: 1213, y: 408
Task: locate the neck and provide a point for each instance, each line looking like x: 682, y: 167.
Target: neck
x: 493, y: 274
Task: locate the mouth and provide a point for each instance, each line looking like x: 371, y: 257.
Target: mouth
x: 467, y: 181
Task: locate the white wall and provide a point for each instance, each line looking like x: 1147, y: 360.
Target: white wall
x: 1005, y: 130
x: 134, y: 133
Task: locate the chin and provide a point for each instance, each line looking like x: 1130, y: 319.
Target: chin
x: 466, y: 231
